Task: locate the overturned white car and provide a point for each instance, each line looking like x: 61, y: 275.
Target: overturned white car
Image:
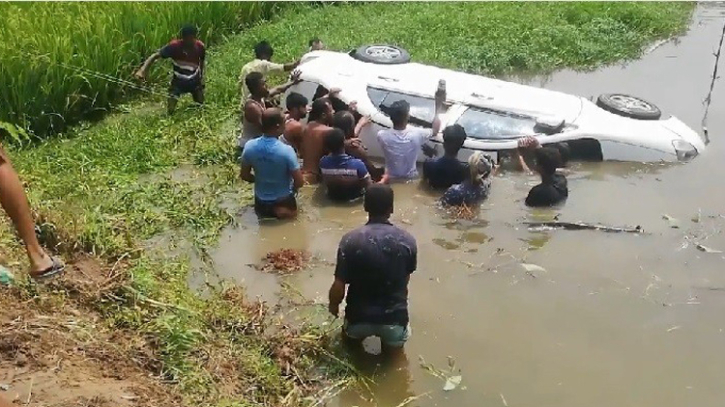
x: 496, y: 113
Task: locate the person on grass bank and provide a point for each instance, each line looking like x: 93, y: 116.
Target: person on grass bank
x: 375, y: 262
x: 188, y: 56
x: 344, y: 177
x: 277, y: 175
x: 15, y: 204
x: 262, y: 63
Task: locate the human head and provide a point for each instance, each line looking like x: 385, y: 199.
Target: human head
x: 548, y: 159
x: 188, y: 34
x: 344, y: 121
x: 257, y: 84
x: 453, y: 138
x: 316, y: 44
x: 272, y: 122
x: 297, y: 105
x: 335, y: 141
x: 400, y: 113
x: 321, y: 111
x: 263, y: 51
x: 379, y: 201
x: 480, y: 166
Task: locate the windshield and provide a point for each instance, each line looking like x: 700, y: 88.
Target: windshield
x: 489, y: 124
x: 422, y: 110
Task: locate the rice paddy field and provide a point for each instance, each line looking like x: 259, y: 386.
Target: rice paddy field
x: 146, y: 195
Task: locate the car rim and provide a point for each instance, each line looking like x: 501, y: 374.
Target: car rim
x: 383, y: 52
x: 631, y: 103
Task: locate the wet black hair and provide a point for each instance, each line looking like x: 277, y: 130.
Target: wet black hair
x: 335, y: 141
x: 253, y: 80
x: 263, y: 49
x: 188, y: 30
x: 271, y: 119
x: 398, y: 111
x: 453, y: 138
x: 379, y: 200
x: 319, y: 107
x: 548, y: 160
x: 295, y: 100
x: 344, y: 121
x: 313, y: 41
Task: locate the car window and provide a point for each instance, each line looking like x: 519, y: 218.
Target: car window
x: 422, y: 110
x: 490, y: 124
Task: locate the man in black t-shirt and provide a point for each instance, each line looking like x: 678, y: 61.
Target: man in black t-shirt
x: 445, y: 171
x: 375, y: 261
x: 553, y: 188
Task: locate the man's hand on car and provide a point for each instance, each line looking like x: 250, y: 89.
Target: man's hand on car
x: 295, y: 77
x: 429, y: 150
x: 528, y: 142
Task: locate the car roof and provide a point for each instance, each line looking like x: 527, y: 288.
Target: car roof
x: 335, y: 69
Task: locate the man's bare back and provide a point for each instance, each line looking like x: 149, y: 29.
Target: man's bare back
x: 312, y: 151
x: 294, y: 132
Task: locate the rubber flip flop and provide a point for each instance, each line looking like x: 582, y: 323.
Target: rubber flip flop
x: 56, y: 268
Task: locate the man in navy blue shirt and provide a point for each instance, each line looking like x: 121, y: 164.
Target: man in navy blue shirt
x: 344, y: 176
x: 375, y: 262
x: 445, y: 171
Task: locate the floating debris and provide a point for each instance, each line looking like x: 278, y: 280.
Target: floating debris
x: 284, y: 261
x: 464, y: 212
x: 530, y: 268
x: 536, y: 226
x: 706, y: 249
x: 452, y: 382
x: 674, y: 223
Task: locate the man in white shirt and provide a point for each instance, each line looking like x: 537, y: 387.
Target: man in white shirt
x: 401, y: 144
x: 263, y: 64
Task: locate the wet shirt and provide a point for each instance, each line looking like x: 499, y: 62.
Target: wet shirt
x: 344, y: 176
x: 443, y: 172
x: 273, y: 163
x: 466, y: 193
x: 401, y: 148
x: 550, y: 193
x: 376, y: 261
x: 186, y: 61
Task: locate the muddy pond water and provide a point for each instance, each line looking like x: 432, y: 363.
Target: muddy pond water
x: 610, y: 319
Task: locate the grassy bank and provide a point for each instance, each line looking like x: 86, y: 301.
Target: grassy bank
x: 107, y: 188
x: 57, y: 57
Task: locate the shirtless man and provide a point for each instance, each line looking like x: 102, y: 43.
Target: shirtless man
x: 313, y: 147
x: 257, y: 103
x: 293, y: 127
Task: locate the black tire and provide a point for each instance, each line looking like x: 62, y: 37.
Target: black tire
x: 376, y: 54
x: 629, y: 106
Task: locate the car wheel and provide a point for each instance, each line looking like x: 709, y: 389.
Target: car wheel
x: 382, y: 54
x: 629, y: 106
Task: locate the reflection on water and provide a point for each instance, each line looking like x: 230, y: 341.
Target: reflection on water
x: 614, y: 318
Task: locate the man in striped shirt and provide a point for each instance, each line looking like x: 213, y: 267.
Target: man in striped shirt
x: 187, y: 55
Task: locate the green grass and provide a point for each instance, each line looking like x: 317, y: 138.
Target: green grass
x: 45, y: 44
x: 104, y: 188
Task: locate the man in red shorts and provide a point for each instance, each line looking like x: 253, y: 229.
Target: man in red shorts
x: 188, y: 55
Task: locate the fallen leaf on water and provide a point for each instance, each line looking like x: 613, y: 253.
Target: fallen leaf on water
x: 532, y: 268
x: 452, y: 383
x: 674, y: 328
x: 674, y: 223
x: 706, y: 249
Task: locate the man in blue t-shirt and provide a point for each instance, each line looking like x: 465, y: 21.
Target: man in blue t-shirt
x: 277, y: 175
x: 441, y: 173
x: 344, y: 176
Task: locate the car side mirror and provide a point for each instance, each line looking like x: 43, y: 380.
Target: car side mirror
x: 549, y: 125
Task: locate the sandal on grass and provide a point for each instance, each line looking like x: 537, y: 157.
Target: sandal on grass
x: 56, y: 268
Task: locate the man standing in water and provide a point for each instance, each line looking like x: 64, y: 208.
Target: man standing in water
x: 258, y: 102
x: 293, y: 127
x: 263, y: 64
x: 188, y: 56
x: 445, y: 171
x: 375, y: 262
x: 277, y: 175
x: 15, y: 203
x: 313, y: 147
